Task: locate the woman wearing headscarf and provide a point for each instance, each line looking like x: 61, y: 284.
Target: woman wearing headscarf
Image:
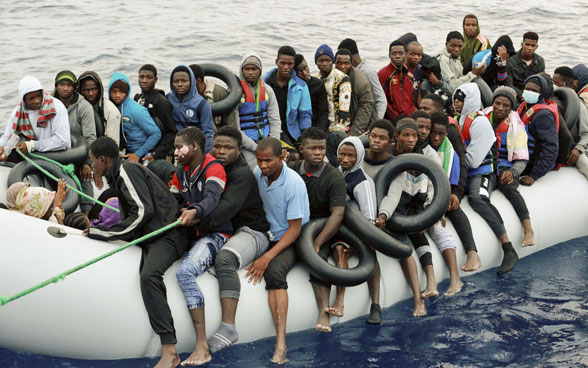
x: 37, y: 201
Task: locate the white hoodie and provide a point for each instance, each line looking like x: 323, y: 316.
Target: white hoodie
x: 56, y: 135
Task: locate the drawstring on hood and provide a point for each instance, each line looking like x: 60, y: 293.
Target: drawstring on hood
x: 472, y: 102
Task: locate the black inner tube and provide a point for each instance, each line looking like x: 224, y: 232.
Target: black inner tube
x: 485, y: 91
x: 572, y: 102
x: 77, y: 154
x: 439, y: 204
x: 233, y: 84
x: 327, y: 272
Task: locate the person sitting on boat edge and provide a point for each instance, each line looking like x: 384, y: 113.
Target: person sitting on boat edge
x: 146, y: 205
x: 258, y: 111
x: 318, y: 93
x: 525, y: 63
x: 286, y: 207
x: 37, y: 201
x: 200, y: 180
x: 371, y: 73
x: 380, y: 137
x: 81, y: 123
x: 241, y: 203
x: 397, y: 82
x: 213, y: 92
x: 292, y: 95
x: 474, y: 41
x: 106, y: 115
x: 160, y: 110
x: 361, y: 192
x: 140, y: 131
x: 39, y: 122
x: 479, y: 139
x: 189, y: 108
x: 451, y: 67
x: 326, y: 190
x: 512, y: 154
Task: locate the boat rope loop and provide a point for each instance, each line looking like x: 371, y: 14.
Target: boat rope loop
x: 67, y: 169
x: 6, y: 299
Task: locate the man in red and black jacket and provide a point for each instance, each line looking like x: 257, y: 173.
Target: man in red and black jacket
x: 398, y: 82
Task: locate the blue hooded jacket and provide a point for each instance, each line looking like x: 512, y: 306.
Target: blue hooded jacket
x: 193, y: 110
x: 299, y: 111
x: 141, y: 132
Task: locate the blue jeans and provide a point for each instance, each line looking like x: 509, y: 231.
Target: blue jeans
x: 198, y: 260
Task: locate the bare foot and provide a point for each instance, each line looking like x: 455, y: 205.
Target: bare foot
x: 454, y: 287
x: 198, y: 357
x: 279, y: 355
x: 430, y: 291
x: 419, y: 308
x: 335, y: 310
x: 323, y: 323
x: 529, y: 238
x: 473, y: 262
x: 168, y: 359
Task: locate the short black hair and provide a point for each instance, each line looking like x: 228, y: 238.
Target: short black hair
x: 77, y: 220
x: 386, y: 125
x: 193, y: 135
x: 149, y: 67
x: 350, y: 45
x: 531, y: 36
x: 453, y: 35
x: 313, y: 133
x: 299, y: 58
x: 470, y: 16
x: 105, y: 146
x: 420, y: 114
x: 286, y: 50
x: 437, y: 100
x: 566, y: 73
x: 439, y: 118
x: 231, y: 132
x: 397, y: 43
x: 397, y: 118
x: 414, y: 43
x: 344, y: 52
x: 270, y: 143
x: 198, y: 71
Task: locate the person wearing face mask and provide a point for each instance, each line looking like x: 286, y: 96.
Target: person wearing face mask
x: 541, y: 120
x: 318, y: 94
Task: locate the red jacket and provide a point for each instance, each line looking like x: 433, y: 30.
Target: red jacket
x: 398, y: 85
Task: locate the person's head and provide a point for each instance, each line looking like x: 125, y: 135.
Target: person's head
x: 226, y: 145
x: 285, y: 61
x: 30, y: 92
x: 529, y: 45
x: 35, y: 201
x: 349, y: 44
x: 503, y: 101
x: 343, y: 60
x: 423, y: 121
x: 301, y: 68
x: 119, y: 88
x: 198, y: 77
x: 293, y: 155
x: 103, y: 153
x: 147, y: 78
x: 163, y: 169
x: 470, y: 25
x: 189, y: 146
x: 454, y: 44
x: 459, y: 98
x: 347, y: 156
x: 269, y: 156
x: 534, y: 89
x: 324, y: 59
x: 314, y: 145
x: 381, y: 135
x: 397, y: 53
x: 77, y: 220
x: 90, y: 89
x: 431, y: 103
x: 414, y: 54
x: 251, y: 69
x: 439, y: 125
x: 181, y: 81
x: 564, y: 77
x: 406, y: 135
x: 33, y: 100
x: 65, y: 84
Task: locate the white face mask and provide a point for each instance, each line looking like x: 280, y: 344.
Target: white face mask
x: 530, y: 97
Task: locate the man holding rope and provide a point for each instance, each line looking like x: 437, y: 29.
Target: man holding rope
x: 146, y: 204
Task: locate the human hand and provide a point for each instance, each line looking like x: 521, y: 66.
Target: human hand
x: 131, y: 157
x: 573, y: 157
x: 479, y: 70
x: 188, y: 217
x: 85, y: 172
x: 381, y: 221
x: 22, y: 146
x: 443, y: 221
x: 507, y: 177
x: 3, y: 157
x: 502, y: 52
x: 256, y: 270
x: 527, y: 180
x: 61, y: 193
x: 85, y: 232
x: 453, y: 202
x: 98, y: 181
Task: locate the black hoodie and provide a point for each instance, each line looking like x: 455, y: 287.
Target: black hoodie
x: 161, y: 111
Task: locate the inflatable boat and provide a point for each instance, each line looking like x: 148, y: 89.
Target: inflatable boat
x: 98, y: 312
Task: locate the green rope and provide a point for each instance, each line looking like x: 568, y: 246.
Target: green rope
x: 61, y: 276
x: 57, y: 179
x: 68, y: 169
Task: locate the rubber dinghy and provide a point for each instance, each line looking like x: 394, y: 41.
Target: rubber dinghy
x: 98, y: 312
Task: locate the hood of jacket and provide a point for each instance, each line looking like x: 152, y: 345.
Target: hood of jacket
x: 119, y: 76
x: 581, y: 73
x: 184, y: 111
x: 28, y: 84
x: 96, y: 78
x: 505, y: 41
x: 192, y: 92
x: 360, y: 152
x: 545, y: 90
x: 472, y: 102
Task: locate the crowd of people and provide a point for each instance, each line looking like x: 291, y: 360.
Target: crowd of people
x: 300, y: 146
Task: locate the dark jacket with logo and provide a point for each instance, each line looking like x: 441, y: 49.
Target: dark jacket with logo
x: 161, y: 111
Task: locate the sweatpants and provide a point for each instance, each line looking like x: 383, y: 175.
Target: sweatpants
x: 156, y: 257
x: 511, y: 193
x: 462, y: 227
x: 479, y: 189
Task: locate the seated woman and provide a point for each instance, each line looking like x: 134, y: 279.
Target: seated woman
x: 37, y: 202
